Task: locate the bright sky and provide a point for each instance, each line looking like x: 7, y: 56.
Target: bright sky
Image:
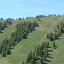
x: 26, y: 8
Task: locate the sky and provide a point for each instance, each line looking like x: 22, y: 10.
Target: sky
x: 28, y: 8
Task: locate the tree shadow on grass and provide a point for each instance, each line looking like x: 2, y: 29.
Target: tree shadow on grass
x: 12, y: 47
x: 57, y: 38
x: 49, y: 47
x: 50, y: 56
x: 50, y: 50
x: 1, y: 31
x: 25, y: 37
x: 55, y: 47
x: 48, y: 61
x: 9, y: 53
x: 45, y: 63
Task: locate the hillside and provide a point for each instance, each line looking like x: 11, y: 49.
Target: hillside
x: 21, y: 50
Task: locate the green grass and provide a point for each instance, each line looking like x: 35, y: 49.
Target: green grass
x: 21, y: 50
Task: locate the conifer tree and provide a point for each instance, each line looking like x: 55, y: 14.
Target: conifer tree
x: 42, y: 60
x: 54, y: 45
x: 0, y: 48
x: 4, y: 47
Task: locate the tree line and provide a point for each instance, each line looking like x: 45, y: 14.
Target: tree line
x: 4, y: 24
x: 59, y: 29
x: 39, y: 55
x: 22, y: 29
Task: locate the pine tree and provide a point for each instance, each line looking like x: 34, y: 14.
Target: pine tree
x: 0, y: 27
x: 28, y: 59
x: 5, y: 25
x: 45, y: 56
x: 4, y: 50
x: 51, y: 37
x: 0, y: 48
x: 54, y: 45
x: 48, y: 45
x: 33, y: 61
x: 8, y: 48
x: 12, y: 40
x: 42, y: 60
x: 47, y: 52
